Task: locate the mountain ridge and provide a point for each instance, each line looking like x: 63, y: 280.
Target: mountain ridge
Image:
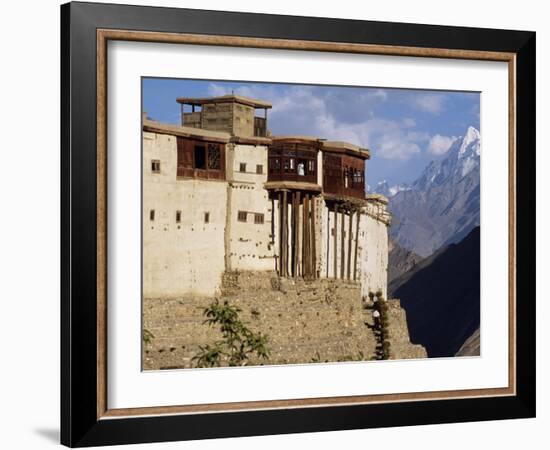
x: 442, y: 205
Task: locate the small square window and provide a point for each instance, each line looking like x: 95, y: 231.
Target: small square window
x: 258, y: 218
x: 178, y: 216
x: 259, y: 169
x: 152, y: 215
x: 242, y: 215
x: 206, y: 217
x: 242, y: 167
x: 155, y: 166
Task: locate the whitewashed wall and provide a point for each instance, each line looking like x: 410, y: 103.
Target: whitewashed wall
x: 187, y: 257
x: 248, y: 244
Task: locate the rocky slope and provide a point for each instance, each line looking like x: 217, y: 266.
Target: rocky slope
x: 471, y: 347
x: 400, y: 260
x: 441, y: 297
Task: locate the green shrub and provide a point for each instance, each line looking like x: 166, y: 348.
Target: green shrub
x: 238, y: 343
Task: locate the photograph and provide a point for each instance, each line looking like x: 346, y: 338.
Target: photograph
x: 308, y: 224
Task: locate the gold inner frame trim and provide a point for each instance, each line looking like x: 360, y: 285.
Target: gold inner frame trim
x: 104, y: 35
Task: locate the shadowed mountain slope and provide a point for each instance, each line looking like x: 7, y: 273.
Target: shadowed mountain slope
x: 441, y: 297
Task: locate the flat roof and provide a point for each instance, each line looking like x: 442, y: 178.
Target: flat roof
x: 294, y: 137
x: 199, y: 101
x: 190, y: 132
x: 347, y: 148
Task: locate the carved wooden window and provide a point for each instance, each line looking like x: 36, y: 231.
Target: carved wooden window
x: 242, y: 167
x: 258, y: 218
x: 199, y: 159
x: 214, y: 159
x: 259, y: 169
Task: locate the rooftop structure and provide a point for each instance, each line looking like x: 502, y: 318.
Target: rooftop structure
x: 233, y: 114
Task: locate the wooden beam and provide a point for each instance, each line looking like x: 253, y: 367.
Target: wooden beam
x: 328, y: 242
x: 306, y: 236
x: 280, y: 233
x: 292, y: 201
x: 343, y: 246
x: 348, y: 274
x: 335, y: 240
x: 295, y: 235
x: 284, y: 225
x: 313, y: 243
x: 356, y: 244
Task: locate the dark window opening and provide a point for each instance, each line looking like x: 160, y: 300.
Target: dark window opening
x: 214, y: 160
x: 200, y: 157
x: 241, y: 216
x: 206, y: 217
x: 178, y: 216
x: 259, y: 169
x: 152, y: 215
x: 155, y: 166
x: 242, y: 167
x: 275, y: 165
x: 258, y: 218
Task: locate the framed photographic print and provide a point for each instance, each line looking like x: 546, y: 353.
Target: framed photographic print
x: 277, y: 224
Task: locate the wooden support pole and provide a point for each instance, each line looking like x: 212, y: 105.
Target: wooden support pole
x: 292, y: 201
x: 306, y: 236
x: 343, y: 245
x: 295, y: 235
x: 336, y: 241
x: 313, y: 243
x: 358, y: 219
x: 328, y: 242
x: 280, y: 233
x: 348, y: 274
x: 284, y: 225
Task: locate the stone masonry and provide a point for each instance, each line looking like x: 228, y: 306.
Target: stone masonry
x: 306, y: 321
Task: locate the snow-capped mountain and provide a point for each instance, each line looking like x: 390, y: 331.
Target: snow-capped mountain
x: 442, y: 205
x: 389, y: 191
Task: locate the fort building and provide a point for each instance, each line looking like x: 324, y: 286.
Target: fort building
x: 223, y: 195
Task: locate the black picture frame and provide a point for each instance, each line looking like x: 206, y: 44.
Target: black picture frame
x: 80, y: 425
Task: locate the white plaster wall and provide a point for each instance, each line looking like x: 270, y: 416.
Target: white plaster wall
x: 184, y: 258
x: 372, y: 249
x: 373, y: 254
x: 249, y: 244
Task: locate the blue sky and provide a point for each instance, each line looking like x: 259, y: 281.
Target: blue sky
x: 404, y: 129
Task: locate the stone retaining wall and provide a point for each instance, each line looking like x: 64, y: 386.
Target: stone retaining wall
x: 306, y: 321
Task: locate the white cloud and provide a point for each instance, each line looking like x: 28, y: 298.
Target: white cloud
x: 306, y: 110
x: 431, y: 103
x: 439, y: 144
x: 379, y: 94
